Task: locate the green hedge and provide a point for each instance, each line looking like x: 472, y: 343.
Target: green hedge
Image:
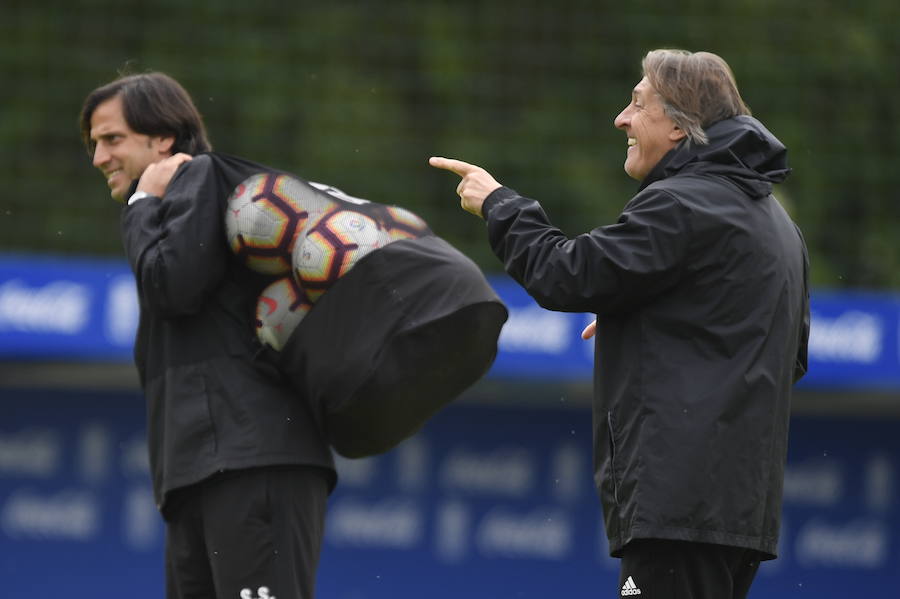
x: 359, y: 94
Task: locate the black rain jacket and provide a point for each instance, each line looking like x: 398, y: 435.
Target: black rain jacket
x: 701, y: 295
x: 213, y: 402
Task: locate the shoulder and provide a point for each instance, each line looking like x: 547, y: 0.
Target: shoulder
x: 683, y: 182
x: 688, y: 188
x: 199, y: 170
x: 201, y: 163
x: 195, y: 178
x: 659, y: 206
x: 657, y: 196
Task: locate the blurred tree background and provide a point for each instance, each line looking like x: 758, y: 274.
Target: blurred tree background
x: 359, y: 94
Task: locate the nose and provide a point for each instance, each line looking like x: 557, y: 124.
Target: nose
x: 101, y: 156
x: 623, y: 119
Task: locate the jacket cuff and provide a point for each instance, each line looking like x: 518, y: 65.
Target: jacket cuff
x: 495, y: 198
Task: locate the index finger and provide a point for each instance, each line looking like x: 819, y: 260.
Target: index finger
x: 450, y: 164
x: 589, y: 331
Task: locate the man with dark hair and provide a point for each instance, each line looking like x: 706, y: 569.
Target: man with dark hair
x: 241, y: 473
x: 701, y: 295
x: 152, y: 104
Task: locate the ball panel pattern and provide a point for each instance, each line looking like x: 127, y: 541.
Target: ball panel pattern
x: 265, y: 216
x: 401, y: 223
x: 332, y: 245
x: 280, y: 308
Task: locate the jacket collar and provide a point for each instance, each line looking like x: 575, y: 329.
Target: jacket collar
x: 739, y: 148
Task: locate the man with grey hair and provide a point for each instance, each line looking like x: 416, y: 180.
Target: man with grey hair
x: 701, y: 295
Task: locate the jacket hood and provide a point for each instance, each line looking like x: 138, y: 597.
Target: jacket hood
x: 740, y: 148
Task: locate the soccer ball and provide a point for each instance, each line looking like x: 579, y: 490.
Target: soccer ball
x: 280, y: 308
x: 265, y: 216
x: 331, y: 246
x: 400, y: 223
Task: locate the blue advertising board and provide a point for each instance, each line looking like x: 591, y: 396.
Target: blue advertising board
x: 488, y: 500
x: 54, y: 308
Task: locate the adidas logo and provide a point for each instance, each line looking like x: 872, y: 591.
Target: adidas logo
x: 629, y: 588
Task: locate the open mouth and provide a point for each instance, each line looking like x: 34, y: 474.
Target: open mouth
x: 112, y: 175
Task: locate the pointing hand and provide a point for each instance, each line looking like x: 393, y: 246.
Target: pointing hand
x: 476, y: 184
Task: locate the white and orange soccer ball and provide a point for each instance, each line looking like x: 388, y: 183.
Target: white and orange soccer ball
x: 266, y: 214
x: 280, y: 309
x: 401, y: 223
x: 332, y: 245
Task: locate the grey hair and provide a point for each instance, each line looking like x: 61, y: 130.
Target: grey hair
x: 697, y: 89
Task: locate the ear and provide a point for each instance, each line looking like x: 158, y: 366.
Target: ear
x: 677, y: 134
x: 163, y: 145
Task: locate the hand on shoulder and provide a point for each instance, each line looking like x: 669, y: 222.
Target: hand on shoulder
x: 157, y: 176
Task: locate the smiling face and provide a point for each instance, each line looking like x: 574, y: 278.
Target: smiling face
x: 120, y: 153
x: 651, y: 133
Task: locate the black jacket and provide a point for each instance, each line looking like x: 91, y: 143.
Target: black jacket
x: 701, y: 295
x: 213, y: 403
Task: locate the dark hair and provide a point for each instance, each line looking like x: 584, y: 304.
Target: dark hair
x: 152, y: 104
x: 697, y: 89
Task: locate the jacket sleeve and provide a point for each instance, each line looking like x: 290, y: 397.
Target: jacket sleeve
x: 607, y: 270
x: 176, y: 245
